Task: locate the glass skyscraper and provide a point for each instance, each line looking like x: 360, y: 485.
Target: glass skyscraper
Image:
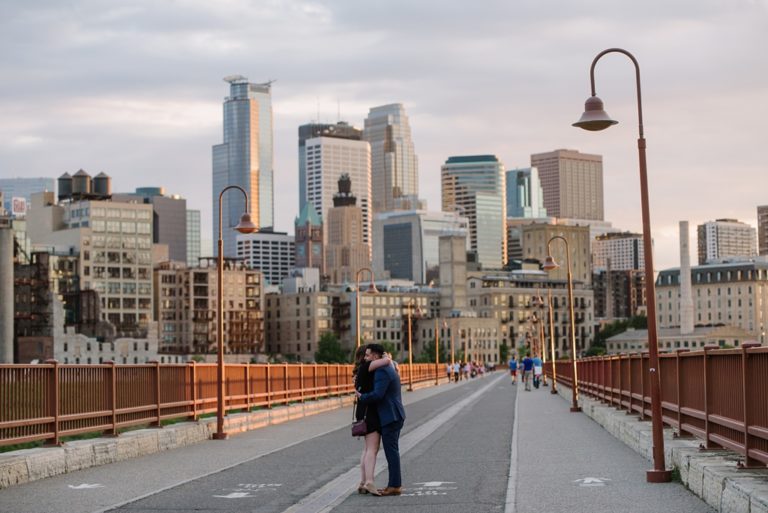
x: 245, y: 158
x: 525, y: 197
x: 394, y: 167
x: 475, y: 187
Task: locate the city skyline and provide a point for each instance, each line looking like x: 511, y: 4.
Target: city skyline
x: 135, y: 90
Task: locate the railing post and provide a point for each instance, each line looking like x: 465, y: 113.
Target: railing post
x: 748, y: 462
x: 621, y: 382
x: 269, y: 386
x: 679, y: 371
x: 193, y: 380
x: 630, y: 411
x: 54, y: 393
x: 157, y: 393
x: 286, y: 383
x: 248, y: 387
x: 301, y: 381
x: 707, y: 444
x: 113, y: 396
x: 314, y: 380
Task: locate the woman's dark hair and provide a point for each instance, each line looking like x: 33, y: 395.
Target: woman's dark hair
x: 359, y: 358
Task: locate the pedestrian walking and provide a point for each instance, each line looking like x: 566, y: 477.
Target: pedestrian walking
x: 448, y: 371
x: 538, y: 368
x: 456, y: 371
x: 513, y: 369
x: 389, y: 404
x: 527, y: 372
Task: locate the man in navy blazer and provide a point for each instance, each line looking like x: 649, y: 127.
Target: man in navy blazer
x: 389, y: 404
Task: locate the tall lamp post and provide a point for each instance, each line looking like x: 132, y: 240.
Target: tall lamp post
x: 542, y: 345
x: 410, y: 344
x: 552, y: 342
x: 551, y: 265
x: 244, y: 226
x: 372, y: 289
x: 595, y: 118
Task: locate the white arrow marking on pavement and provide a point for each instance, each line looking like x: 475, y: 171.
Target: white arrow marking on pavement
x: 591, y: 481
x: 86, y: 486
x: 235, y: 495
x: 435, y: 483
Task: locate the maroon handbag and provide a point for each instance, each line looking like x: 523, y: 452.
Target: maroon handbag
x: 359, y: 427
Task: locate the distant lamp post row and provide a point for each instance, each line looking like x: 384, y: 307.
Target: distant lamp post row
x: 371, y: 290
x: 595, y: 118
x: 244, y: 226
x: 551, y: 265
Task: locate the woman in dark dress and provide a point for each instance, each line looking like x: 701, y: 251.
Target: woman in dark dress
x: 365, y: 368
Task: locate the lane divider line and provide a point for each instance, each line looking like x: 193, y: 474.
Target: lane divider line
x: 334, y: 492
x: 511, y: 501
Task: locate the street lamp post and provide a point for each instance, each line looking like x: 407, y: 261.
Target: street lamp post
x: 372, y: 290
x: 410, y: 345
x: 542, y: 343
x: 551, y: 265
x: 437, y: 351
x: 244, y: 226
x: 595, y: 118
x: 552, y: 342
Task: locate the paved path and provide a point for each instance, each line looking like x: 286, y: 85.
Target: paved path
x: 459, y: 451
x: 567, y: 462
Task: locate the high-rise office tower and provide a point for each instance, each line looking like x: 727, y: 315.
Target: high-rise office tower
x: 618, y: 251
x: 340, y: 130
x: 394, y: 166
x: 244, y: 159
x: 725, y: 238
x: 572, y: 183
x: 327, y: 158
x: 525, y: 197
x: 762, y: 230
x: 194, y: 249
x: 407, y: 242
x: 475, y: 187
x: 346, y: 250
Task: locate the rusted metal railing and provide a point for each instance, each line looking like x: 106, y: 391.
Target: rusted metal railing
x: 51, y: 400
x: 717, y: 395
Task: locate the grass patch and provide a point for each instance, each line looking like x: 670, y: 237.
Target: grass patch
x: 676, y: 477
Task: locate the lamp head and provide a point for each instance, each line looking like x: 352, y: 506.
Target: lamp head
x: 594, y: 118
x: 372, y: 288
x: 550, y: 264
x: 245, y: 225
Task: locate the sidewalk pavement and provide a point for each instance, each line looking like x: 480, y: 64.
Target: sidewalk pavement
x: 564, y: 461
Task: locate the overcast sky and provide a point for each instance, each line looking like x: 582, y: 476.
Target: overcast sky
x: 133, y: 88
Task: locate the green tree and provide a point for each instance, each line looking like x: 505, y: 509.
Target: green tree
x: 639, y: 322
x: 503, y: 352
x: 329, y: 350
x: 522, y: 351
x: 428, y: 353
x: 390, y: 348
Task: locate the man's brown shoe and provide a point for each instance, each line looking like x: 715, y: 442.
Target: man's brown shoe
x: 391, y: 490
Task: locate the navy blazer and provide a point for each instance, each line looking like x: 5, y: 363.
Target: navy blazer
x: 386, y: 395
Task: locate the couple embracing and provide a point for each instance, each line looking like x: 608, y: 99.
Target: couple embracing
x: 377, y: 387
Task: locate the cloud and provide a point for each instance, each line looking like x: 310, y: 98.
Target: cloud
x: 134, y: 88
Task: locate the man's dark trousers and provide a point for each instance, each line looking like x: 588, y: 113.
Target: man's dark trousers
x: 390, y: 439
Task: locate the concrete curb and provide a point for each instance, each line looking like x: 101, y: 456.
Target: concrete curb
x: 27, y: 465
x: 712, y: 475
